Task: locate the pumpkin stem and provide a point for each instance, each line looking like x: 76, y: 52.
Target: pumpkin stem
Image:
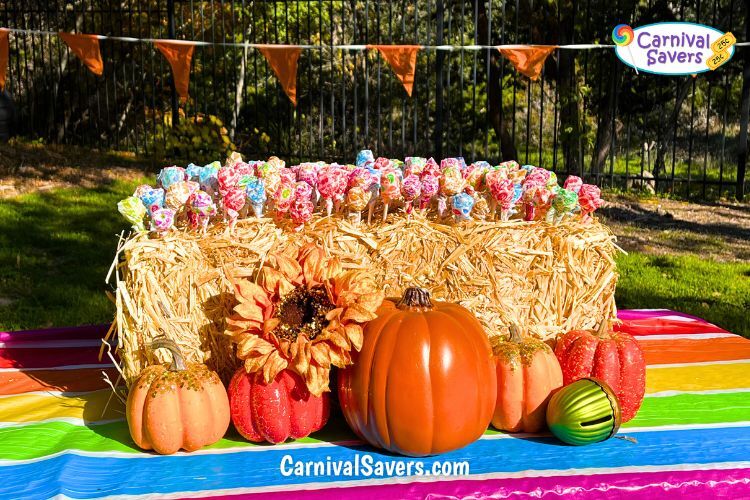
x: 605, y: 325
x: 162, y: 342
x: 515, y: 334
x: 415, y: 297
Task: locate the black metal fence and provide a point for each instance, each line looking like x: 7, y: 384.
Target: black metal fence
x: 588, y: 114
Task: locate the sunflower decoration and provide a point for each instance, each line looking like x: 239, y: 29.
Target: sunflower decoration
x: 303, y: 313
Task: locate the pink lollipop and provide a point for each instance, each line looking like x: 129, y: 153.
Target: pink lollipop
x: 431, y: 167
x: 284, y: 198
x: 287, y: 176
x: 430, y: 187
x: 573, y: 183
x: 411, y: 189
x: 228, y: 179
x: 233, y: 201
x: 302, y: 190
x: 538, y: 176
x: 589, y: 198
x: 451, y: 183
x: 201, y: 208
x: 475, y: 177
x: 360, y: 177
x: 308, y: 173
x: 332, y: 181
x: 244, y: 169
x: 390, y: 188
x: 535, y: 197
x: 301, y: 210
x: 383, y: 163
x: 502, y: 193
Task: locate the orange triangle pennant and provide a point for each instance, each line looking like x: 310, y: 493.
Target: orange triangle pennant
x: 403, y: 62
x: 528, y: 60
x: 179, y: 55
x: 86, y: 48
x: 283, y: 60
x: 3, y: 56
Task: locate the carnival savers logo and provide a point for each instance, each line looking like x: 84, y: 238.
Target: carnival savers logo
x: 364, y: 465
x: 672, y: 48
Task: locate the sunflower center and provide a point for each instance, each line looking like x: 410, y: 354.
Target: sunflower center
x: 303, y: 312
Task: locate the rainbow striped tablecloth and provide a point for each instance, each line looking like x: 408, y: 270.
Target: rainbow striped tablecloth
x: 59, y: 437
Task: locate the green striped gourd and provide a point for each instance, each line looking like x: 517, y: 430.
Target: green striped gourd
x: 584, y: 412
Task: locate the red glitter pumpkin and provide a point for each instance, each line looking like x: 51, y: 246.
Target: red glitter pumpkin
x: 614, y: 357
x: 275, y: 411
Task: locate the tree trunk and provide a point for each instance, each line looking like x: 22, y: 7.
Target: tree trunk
x: 604, y: 131
x: 495, y: 91
x: 567, y: 82
x: 667, y: 124
x: 744, y: 115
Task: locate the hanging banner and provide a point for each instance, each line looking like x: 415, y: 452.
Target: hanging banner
x: 179, y: 55
x: 403, y: 62
x: 3, y: 56
x: 528, y: 60
x: 283, y: 60
x: 86, y: 48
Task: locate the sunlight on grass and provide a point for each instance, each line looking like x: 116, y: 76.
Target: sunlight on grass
x: 718, y: 292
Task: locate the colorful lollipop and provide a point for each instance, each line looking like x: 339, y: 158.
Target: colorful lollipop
x: 134, y: 212
x: 502, y: 193
x: 233, y: 201
x: 462, y: 205
x: 623, y: 36
x: 171, y: 175
x: 534, y: 197
x: 411, y: 189
x: 563, y: 203
x: 193, y: 172
x: 589, y: 197
x: 284, y: 198
x: 233, y: 159
x: 152, y: 198
x: 256, y: 193
x: 451, y: 183
x: 301, y: 210
x: 332, y: 182
x: 356, y: 201
x: 201, y: 208
x: 573, y: 183
x: 430, y: 187
x: 390, y: 189
x: 208, y: 178
x: 414, y: 165
x: 162, y: 220
x: 228, y: 179
x: 177, y: 194
x: 365, y: 158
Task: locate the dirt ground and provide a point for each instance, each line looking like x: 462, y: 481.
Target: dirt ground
x: 719, y: 230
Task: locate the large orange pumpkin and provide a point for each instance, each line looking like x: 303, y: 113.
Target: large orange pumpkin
x: 177, y: 407
x: 424, y: 381
x: 527, y: 374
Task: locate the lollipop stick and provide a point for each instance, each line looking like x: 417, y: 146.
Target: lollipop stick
x: 385, y: 211
x: 632, y: 59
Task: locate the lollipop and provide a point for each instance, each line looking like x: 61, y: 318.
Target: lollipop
x: 430, y: 187
x: 288, y: 176
x: 589, y: 197
x: 456, y: 163
x: 356, y: 201
x: 361, y: 177
x: 502, y: 192
x: 411, y: 188
x: 208, y: 178
x: 365, y: 158
x: 563, y: 203
x: 308, y: 173
x: 302, y: 190
x: 152, y: 198
x: 140, y: 190
x: 233, y: 201
x: 271, y: 178
x: 535, y: 197
x: 374, y: 191
x: 256, y: 193
x: 431, y: 167
x: 511, y: 165
x: 481, y: 207
x: 390, y: 189
x: 537, y: 176
x: 193, y: 172
x: 162, y: 220
x: 171, y: 175
x: 276, y: 163
x: 462, y: 205
x: 233, y: 159
x: 623, y: 36
x: 332, y: 181
x: 414, y: 165
x: 244, y: 172
x: 177, y: 194
x: 201, y: 208
x: 301, y: 210
x: 228, y: 179
x: 382, y: 163
x: 284, y: 198
x: 134, y: 212
x: 573, y: 183
x: 475, y: 175
x: 451, y: 183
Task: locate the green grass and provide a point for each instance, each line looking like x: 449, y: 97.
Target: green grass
x: 716, y: 291
x: 56, y: 248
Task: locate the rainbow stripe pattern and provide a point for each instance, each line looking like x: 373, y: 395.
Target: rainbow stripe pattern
x: 61, y: 434
x: 622, y: 35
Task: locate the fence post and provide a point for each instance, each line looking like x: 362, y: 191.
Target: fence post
x: 744, y: 114
x: 171, y: 30
x: 439, y: 61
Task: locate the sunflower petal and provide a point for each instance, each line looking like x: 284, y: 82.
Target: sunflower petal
x: 355, y: 334
x: 249, y: 311
x: 317, y: 380
x: 289, y: 267
x: 358, y: 314
x: 313, y: 259
x: 274, y: 364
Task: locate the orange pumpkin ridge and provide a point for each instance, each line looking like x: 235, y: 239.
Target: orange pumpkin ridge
x: 423, y: 382
x: 179, y: 407
x: 527, y: 374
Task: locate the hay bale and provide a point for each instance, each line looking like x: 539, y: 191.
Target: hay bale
x: 546, y: 278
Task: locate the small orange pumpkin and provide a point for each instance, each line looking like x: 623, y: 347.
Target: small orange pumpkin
x: 177, y: 407
x: 527, y: 374
x: 424, y: 381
